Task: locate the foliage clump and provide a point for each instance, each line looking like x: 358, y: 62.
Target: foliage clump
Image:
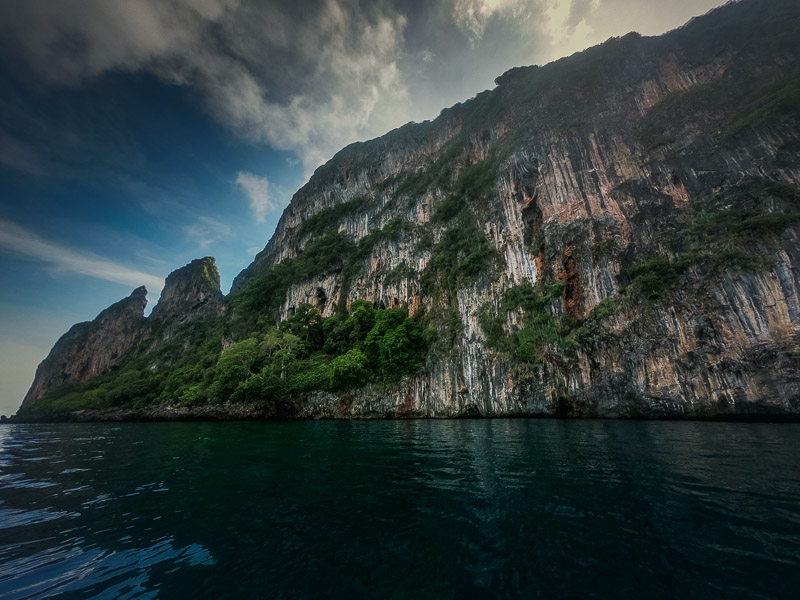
x: 307, y: 353
x: 591, y: 330
x: 264, y: 292
x: 732, y: 224
x: 304, y: 353
x: 766, y: 99
x: 542, y: 326
x: 727, y: 231
x: 459, y: 257
x: 652, y: 278
x: 399, y: 273
x: 440, y: 173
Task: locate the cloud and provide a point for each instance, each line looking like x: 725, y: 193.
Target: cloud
x: 355, y: 91
x: 16, y: 239
x: 206, y: 230
x: 473, y: 16
x: 307, y: 79
x: 310, y: 77
x: 257, y: 191
x: 579, y: 11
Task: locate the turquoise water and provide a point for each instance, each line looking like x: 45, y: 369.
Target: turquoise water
x: 400, y: 509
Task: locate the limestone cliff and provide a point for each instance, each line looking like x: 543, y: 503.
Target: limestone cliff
x: 93, y: 347
x: 637, y: 150
x: 614, y: 234
x: 122, y: 332
x: 190, y: 292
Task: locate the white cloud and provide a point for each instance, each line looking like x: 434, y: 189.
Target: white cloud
x: 16, y: 239
x: 307, y: 82
x: 206, y: 230
x: 257, y: 191
x: 580, y: 11
x: 356, y: 91
x: 473, y: 16
x: 311, y: 77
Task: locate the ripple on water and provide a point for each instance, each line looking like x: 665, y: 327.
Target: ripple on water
x: 73, y: 567
x: 10, y: 517
x: 18, y: 480
x: 439, y: 509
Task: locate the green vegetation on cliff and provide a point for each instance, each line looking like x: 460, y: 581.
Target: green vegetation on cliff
x: 461, y: 255
x: 327, y: 220
x: 308, y: 353
x: 542, y: 324
x: 305, y: 353
x: 729, y: 230
x: 263, y: 293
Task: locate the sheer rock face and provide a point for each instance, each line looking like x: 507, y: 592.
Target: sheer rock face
x: 93, y: 347
x: 609, y: 157
x: 581, y: 196
x: 190, y: 292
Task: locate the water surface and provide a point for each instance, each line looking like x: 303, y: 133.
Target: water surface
x: 417, y: 509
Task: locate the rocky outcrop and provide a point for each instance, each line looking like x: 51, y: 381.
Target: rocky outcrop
x: 93, y: 347
x: 603, y: 160
x: 190, y: 292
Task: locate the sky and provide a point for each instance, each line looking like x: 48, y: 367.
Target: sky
x: 137, y: 135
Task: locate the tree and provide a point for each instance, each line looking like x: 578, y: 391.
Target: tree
x: 306, y: 324
x: 395, y: 345
x: 233, y: 367
x: 280, y: 350
x: 349, y: 370
x: 360, y: 321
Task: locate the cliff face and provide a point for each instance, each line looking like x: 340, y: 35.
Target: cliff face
x: 122, y: 332
x: 614, y: 234
x: 93, y: 347
x: 662, y: 151
x: 191, y: 292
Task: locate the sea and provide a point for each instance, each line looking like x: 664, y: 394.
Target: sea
x: 452, y: 509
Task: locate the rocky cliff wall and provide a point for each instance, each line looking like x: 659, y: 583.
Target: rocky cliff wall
x: 614, y: 234
x: 191, y: 293
x: 603, y: 161
x: 93, y: 347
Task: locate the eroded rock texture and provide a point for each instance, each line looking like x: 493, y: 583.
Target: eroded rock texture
x: 604, y: 160
x: 614, y: 234
x: 190, y: 293
x: 93, y: 347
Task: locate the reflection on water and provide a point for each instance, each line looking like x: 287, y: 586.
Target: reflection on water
x: 424, y: 509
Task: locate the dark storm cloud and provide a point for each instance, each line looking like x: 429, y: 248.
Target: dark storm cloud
x: 314, y: 75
